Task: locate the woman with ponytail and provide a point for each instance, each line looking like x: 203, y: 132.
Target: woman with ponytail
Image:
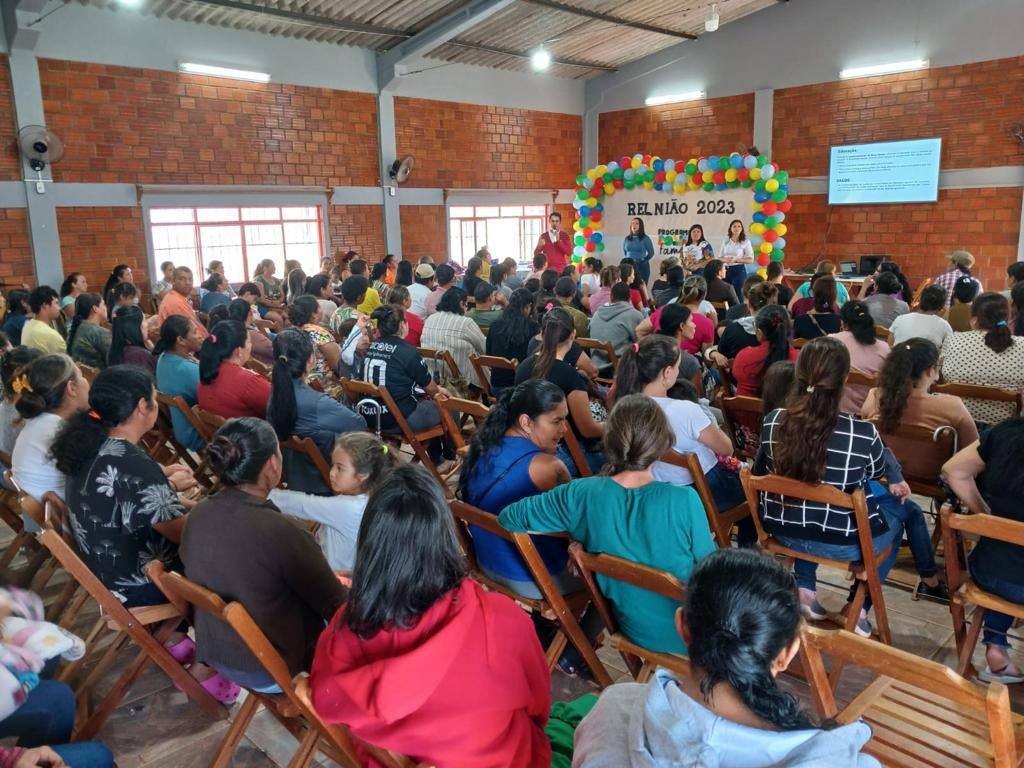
x: 867, y: 352
x: 304, y: 312
x: 121, y: 274
x: 557, y: 336
x: 74, y: 285
x: 226, y: 388
x: 297, y: 409
x: 88, y: 341
x: 772, y: 329
x: 741, y: 622
x: 813, y: 441
x: 625, y: 512
x: 988, y: 355
x: 177, y: 373
x: 12, y: 363
x: 127, y: 342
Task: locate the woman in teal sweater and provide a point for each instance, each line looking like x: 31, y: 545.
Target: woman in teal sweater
x: 626, y: 513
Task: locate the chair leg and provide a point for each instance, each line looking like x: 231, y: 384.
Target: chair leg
x: 307, y: 748
x: 235, y: 733
x: 959, y: 617
x: 852, y: 617
x: 58, y: 605
x: 112, y: 699
x: 964, y: 667
x: 555, y: 649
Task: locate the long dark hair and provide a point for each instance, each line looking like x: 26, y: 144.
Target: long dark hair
x: 533, y: 398
x: 637, y: 435
x: 777, y: 385
x: 12, y: 365
x: 743, y: 231
x: 991, y: 312
x: 174, y: 327
x: 823, y: 294
x: 407, y: 556
x: 452, y: 301
x: 125, y: 331
x: 858, y: 321
x: 902, y: 367
x: 47, y: 377
x: 801, y: 442
x: 225, y: 337
x: 295, y: 282
x: 403, y: 273
x: 689, y: 235
x: 113, y: 279
x: 518, y: 327
x: 69, y: 284
x: 673, y: 317
x: 894, y: 268
x: 388, y: 319
x: 555, y: 329
x: 113, y: 396
x: 742, y: 610
x: 1017, y: 299
x: 240, y: 449
x: 773, y: 323
x: 642, y: 364
x: 302, y: 309
x: 239, y: 310
x: 640, y: 233
x: 84, y: 305
x: 292, y: 350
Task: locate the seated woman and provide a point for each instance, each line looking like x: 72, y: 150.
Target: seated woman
x: 12, y: 364
x: 394, y: 364
x: 127, y: 342
x: 988, y: 355
x: 867, y: 352
x: 482, y: 688
x: 123, y: 506
x: 50, y: 390
x: 238, y: 544
x: 628, y: 275
x: 741, y: 333
x: 177, y: 373
x: 718, y: 289
x: 240, y: 310
x: 609, y: 276
x: 297, y: 409
x: 821, y: 317
x: 692, y: 296
x: 986, y: 477
x: 772, y: 326
x: 557, y: 335
x: 677, y: 322
x: 511, y: 456
x: 304, y: 313
x: 741, y: 623
x: 319, y: 287
x: 399, y: 296
x: 214, y: 292
x: 652, y: 369
x: 777, y: 385
x: 813, y: 441
x: 449, y: 328
x: 627, y: 513
x: 88, y: 341
x: 965, y: 291
x: 359, y: 462
x: 806, y: 290
x: 885, y: 305
x: 225, y: 387
x: 510, y: 335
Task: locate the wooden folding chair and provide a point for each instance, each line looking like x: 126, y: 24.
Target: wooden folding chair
x: 882, y: 333
x: 134, y: 624
x: 566, y: 608
x: 367, y: 396
x: 921, y: 713
x: 721, y: 307
x: 962, y: 589
x: 858, y: 377
x: 88, y: 372
x: 743, y: 416
x: 721, y: 523
x: 304, y: 449
x: 441, y: 357
x: 453, y: 407
x: 206, y: 422
x: 865, y: 571
x: 607, y: 352
x: 41, y: 565
x: 293, y: 711
x: 799, y: 343
x: 915, y: 301
x: 482, y: 365
x: 572, y: 444
x: 23, y: 539
x: 976, y: 392
x: 639, y: 660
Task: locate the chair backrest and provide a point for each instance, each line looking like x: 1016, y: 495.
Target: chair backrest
x: 721, y: 307
x: 798, y: 343
x: 915, y: 301
x: 482, y: 363
x: 441, y: 357
x: 369, y: 397
x: 207, y: 422
x: 259, y: 367
x: 88, y: 372
x: 743, y: 416
x: 30, y: 505
x: 860, y: 377
x: 978, y: 392
x: 576, y: 452
x: 306, y: 450
x: 177, y: 403
x: 989, y: 526
x: 604, y: 347
x: 921, y: 452
x: 882, y: 333
x: 721, y: 529
x: 451, y: 409
x: 930, y: 679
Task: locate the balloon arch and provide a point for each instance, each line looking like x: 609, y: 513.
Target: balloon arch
x: 767, y: 229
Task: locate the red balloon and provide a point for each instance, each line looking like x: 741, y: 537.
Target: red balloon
x: 595, y: 216
x: 763, y: 259
x: 647, y: 160
x: 719, y: 177
x: 785, y: 205
x: 589, y: 246
x: 770, y: 235
x: 769, y: 207
x: 587, y: 231
x: 743, y: 174
x: 625, y: 162
x: 617, y: 183
x: 659, y: 177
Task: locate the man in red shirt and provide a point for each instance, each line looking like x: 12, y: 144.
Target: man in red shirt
x: 555, y: 243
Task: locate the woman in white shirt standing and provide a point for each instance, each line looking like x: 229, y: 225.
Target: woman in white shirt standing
x: 738, y: 256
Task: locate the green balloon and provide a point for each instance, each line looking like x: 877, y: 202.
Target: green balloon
x: 782, y: 176
x: 762, y: 161
x: 746, y: 183
x: 778, y: 196
x: 617, y: 173
x: 777, y: 254
x: 600, y: 247
x: 723, y: 164
x: 579, y: 240
x: 759, y: 185
x: 584, y: 222
x: 770, y: 222
x: 709, y: 187
x: 606, y: 178
x: 734, y: 183
x: 583, y: 194
x: 628, y: 184
x: 649, y: 176
x: 691, y: 168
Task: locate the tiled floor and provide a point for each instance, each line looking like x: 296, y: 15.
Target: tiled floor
x: 157, y: 727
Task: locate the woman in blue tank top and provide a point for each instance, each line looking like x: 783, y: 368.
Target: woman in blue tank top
x: 511, y: 457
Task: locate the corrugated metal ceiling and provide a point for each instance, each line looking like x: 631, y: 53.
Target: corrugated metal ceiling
x: 582, y: 47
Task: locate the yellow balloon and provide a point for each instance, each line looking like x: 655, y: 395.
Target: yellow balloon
x: 755, y: 173
x: 592, y: 174
x: 730, y: 175
x: 591, y: 202
x: 693, y: 184
x: 763, y: 273
x: 609, y: 189
x: 679, y: 189
x: 602, y: 170
x: 771, y: 185
x: 648, y: 185
x: 756, y: 206
x: 670, y: 175
x: 708, y: 176
x: 576, y: 226
x: 596, y: 225
x: 636, y: 163
x: 781, y: 229
x: 765, y: 247
x: 691, y: 161
x: 757, y: 228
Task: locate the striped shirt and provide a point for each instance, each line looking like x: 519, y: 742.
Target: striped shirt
x: 855, y: 455
x: 948, y: 279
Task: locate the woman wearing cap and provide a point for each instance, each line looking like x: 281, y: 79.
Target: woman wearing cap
x: 421, y: 288
x: 960, y: 264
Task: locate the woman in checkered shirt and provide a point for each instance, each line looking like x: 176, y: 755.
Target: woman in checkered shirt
x: 960, y: 263
x: 812, y: 441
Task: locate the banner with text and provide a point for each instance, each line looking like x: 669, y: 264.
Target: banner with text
x: 667, y: 218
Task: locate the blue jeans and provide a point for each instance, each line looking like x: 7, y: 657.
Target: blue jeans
x: 45, y: 719
x: 727, y: 492
x: 806, y: 571
x: 736, y: 275
x: 996, y: 624
x: 84, y: 754
x: 912, y: 517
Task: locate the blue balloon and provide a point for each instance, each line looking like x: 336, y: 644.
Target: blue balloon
x: 758, y: 216
x: 749, y: 162
x: 780, y: 216
x: 720, y: 187
x: 736, y: 161
x: 702, y: 165
x: 713, y: 162
x: 780, y: 243
x: 597, y: 237
x: 628, y: 174
x: 761, y: 196
x: 784, y: 187
x: 599, y: 207
x: 584, y: 211
x: 659, y: 165
x: 756, y: 240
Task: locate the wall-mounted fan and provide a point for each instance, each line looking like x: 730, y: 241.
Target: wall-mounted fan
x: 40, y: 147
x: 400, y: 169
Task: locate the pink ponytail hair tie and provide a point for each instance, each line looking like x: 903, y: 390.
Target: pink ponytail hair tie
x: 636, y: 347
x: 548, y: 307
x: 213, y: 338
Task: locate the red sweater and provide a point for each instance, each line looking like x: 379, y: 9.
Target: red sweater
x: 557, y: 253
x: 748, y: 369
x: 235, y: 392
x: 467, y: 686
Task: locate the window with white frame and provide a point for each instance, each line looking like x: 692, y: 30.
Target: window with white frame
x: 506, y: 230
x: 240, y: 237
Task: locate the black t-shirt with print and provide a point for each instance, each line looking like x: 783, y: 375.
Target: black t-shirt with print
x: 1000, y: 557
x: 397, y: 366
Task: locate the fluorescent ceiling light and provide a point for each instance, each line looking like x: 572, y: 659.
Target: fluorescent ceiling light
x: 884, y: 69
x: 671, y: 98
x: 129, y: 3
x: 541, y: 59
x: 234, y: 74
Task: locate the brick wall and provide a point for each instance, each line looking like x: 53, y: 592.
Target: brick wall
x: 10, y: 164
x: 971, y: 106
x: 423, y: 233
x: 357, y: 227
x: 469, y: 146
x: 984, y: 221
x: 16, y: 264
x: 678, y: 131
x: 147, y: 126
x: 94, y: 240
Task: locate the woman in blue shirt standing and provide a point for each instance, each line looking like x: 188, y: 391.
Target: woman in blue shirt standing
x: 638, y: 246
